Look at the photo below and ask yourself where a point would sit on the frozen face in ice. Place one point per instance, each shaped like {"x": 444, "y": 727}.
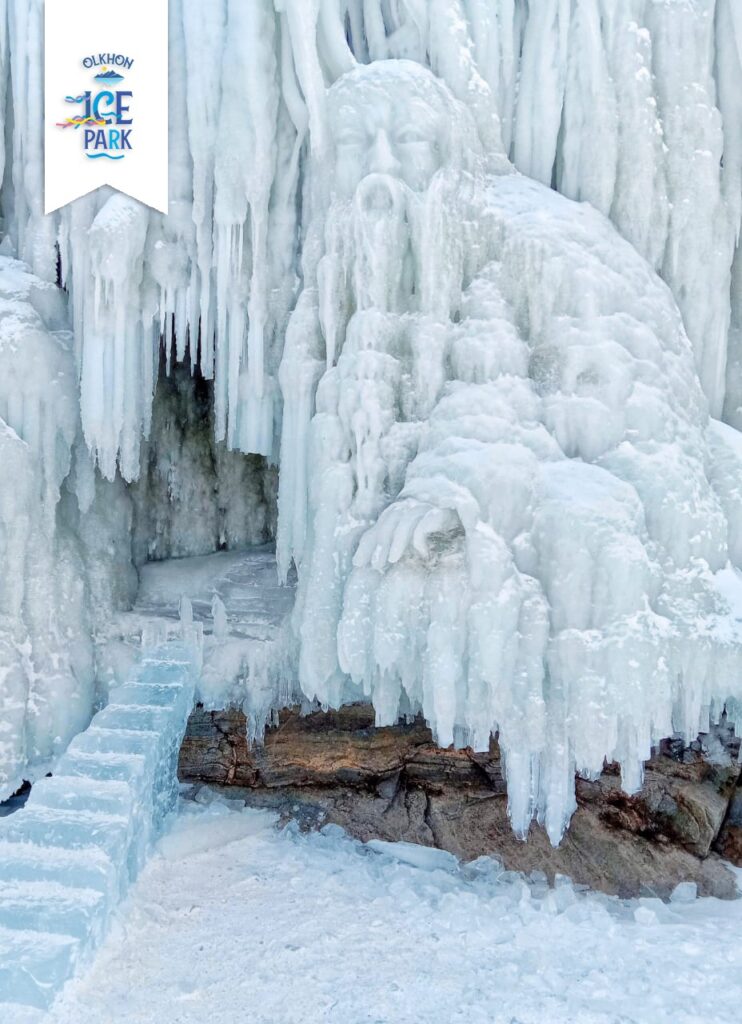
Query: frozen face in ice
{"x": 401, "y": 140}
{"x": 388, "y": 119}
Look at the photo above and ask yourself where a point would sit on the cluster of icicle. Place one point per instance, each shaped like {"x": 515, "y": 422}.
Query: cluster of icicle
{"x": 502, "y": 491}
{"x": 497, "y": 478}
{"x": 46, "y": 657}
{"x": 632, "y": 105}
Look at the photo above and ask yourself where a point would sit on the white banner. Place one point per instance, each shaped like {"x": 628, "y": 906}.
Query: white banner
{"x": 106, "y": 110}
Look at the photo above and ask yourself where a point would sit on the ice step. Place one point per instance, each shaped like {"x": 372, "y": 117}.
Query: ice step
{"x": 147, "y": 694}
{"x": 124, "y": 767}
{"x": 161, "y": 673}
{"x": 66, "y": 792}
{"x": 72, "y": 830}
{"x": 132, "y": 716}
{"x": 115, "y": 741}
{"x": 70, "y": 853}
{"x": 35, "y": 965}
{"x": 47, "y": 906}
{"x": 87, "y": 869}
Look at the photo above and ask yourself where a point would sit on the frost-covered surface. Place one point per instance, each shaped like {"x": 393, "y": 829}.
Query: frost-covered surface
{"x": 490, "y": 415}
{"x": 232, "y": 918}
{"x": 513, "y": 517}
{"x": 70, "y": 854}
{"x": 194, "y": 495}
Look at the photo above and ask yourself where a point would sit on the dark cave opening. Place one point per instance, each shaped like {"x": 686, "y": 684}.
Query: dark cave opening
{"x": 195, "y": 496}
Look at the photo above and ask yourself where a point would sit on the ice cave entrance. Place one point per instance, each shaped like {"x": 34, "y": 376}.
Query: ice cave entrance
{"x": 194, "y": 496}
{"x": 203, "y": 527}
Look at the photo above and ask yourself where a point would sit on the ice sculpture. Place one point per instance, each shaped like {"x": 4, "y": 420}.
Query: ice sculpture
{"x": 69, "y": 855}
{"x": 631, "y": 105}
{"x": 489, "y": 402}
{"x": 501, "y": 507}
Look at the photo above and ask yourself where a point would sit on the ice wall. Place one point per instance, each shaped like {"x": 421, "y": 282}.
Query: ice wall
{"x": 631, "y": 105}
{"x": 46, "y": 669}
{"x": 506, "y": 510}
{"x": 483, "y": 389}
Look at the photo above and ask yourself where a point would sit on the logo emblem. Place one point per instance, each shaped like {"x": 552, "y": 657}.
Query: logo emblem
{"x": 105, "y": 117}
{"x": 106, "y": 111}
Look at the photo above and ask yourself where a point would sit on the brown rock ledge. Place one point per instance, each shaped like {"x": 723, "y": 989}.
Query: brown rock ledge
{"x": 395, "y": 784}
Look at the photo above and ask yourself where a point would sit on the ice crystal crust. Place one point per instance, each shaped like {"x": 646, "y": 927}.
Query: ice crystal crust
{"x": 488, "y": 403}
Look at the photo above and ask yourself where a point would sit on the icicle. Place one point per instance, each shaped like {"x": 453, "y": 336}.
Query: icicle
{"x": 185, "y": 611}
{"x": 219, "y": 617}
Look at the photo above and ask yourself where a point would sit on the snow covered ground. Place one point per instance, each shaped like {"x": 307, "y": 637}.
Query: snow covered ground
{"x": 234, "y": 921}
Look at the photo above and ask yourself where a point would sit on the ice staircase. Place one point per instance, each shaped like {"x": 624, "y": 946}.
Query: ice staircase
{"x": 69, "y": 855}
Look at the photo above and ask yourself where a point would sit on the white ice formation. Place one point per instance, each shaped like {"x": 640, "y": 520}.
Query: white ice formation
{"x": 69, "y": 855}
{"x": 247, "y": 648}
{"x": 46, "y": 658}
{"x": 488, "y": 401}
{"x": 510, "y": 523}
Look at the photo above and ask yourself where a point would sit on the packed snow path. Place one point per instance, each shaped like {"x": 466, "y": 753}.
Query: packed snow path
{"x": 233, "y": 922}
{"x": 68, "y": 856}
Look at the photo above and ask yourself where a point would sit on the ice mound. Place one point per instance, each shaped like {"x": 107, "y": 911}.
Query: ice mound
{"x": 506, "y": 514}
{"x": 69, "y": 855}
{"x": 46, "y": 670}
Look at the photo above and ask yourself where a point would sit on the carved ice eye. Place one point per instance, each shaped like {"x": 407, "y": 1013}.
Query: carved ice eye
{"x": 350, "y": 138}
{"x": 411, "y": 135}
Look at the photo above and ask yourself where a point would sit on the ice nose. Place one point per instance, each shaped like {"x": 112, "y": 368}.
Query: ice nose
{"x": 383, "y": 160}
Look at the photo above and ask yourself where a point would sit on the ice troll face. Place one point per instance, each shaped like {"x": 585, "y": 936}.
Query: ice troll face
{"x": 392, "y": 120}
{"x": 401, "y": 144}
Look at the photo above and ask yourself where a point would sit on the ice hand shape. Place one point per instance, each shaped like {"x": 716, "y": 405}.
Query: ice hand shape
{"x": 406, "y": 526}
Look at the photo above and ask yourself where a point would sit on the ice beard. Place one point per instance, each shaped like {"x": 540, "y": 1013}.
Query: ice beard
{"x": 388, "y": 284}
{"x": 385, "y": 249}
{"x": 381, "y": 221}
{"x": 381, "y": 251}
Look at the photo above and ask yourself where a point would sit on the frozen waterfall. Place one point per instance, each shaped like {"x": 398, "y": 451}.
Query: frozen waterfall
{"x": 631, "y": 105}
{"x": 468, "y": 272}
